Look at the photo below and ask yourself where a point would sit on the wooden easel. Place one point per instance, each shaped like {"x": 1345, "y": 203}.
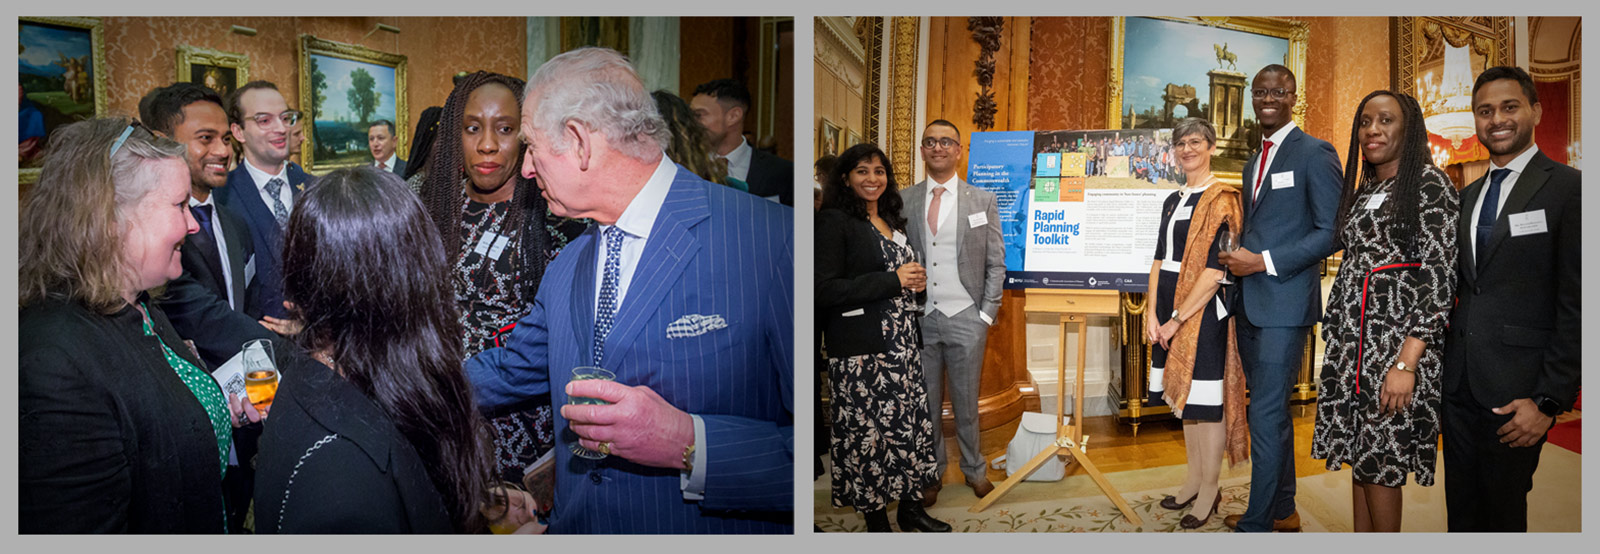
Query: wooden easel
{"x": 1073, "y": 307}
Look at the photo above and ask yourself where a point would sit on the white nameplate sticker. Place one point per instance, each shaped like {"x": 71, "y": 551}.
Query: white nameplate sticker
{"x": 1376, "y": 200}
{"x": 855, "y": 312}
{"x": 484, "y": 242}
{"x": 1283, "y": 180}
{"x": 250, "y": 270}
{"x": 978, "y": 219}
{"x": 1183, "y": 213}
{"x": 499, "y": 246}
{"x": 1528, "y": 223}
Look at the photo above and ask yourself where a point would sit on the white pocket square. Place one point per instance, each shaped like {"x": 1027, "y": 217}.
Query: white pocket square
{"x": 694, "y": 325}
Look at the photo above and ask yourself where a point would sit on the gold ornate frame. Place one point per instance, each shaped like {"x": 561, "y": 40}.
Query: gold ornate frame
{"x": 828, "y": 130}
{"x": 1296, "y": 32}
{"x": 188, "y": 56}
{"x": 1410, "y": 37}
{"x": 309, "y": 45}
{"x": 97, "y": 49}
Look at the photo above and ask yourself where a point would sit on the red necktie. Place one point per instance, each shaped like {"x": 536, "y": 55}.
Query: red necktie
{"x": 933, "y": 212}
{"x": 1266, "y": 148}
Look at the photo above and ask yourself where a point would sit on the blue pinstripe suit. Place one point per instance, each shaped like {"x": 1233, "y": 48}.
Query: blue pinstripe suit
{"x": 712, "y": 251}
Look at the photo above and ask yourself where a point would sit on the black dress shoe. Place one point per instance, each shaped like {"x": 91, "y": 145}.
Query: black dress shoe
{"x": 1191, "y": 522}
{"x": 1171, "y": 502}
{"x": 878, "y": 521}
{"x": 912, "y": 517}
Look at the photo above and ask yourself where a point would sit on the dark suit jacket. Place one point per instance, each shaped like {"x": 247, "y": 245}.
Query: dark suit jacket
{"x": 332, "y": 462}
{"x": 771, "y": 176}
{"x": 708, "y": 324}
{"x": 242, "y": 196}
{"x": 1515, "y": 329}
{"x": 399, "y": 166}
{"x": 111, "y": 440}
{"x": 200, "y": 260}
{"x": 850, "y": 276}
{"x": 1296, "y": 225}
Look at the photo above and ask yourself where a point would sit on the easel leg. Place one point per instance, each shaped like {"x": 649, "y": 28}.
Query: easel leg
{"x": 1022, "y": 473}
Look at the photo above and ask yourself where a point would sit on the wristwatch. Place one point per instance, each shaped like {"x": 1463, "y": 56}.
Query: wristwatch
{"x": 1402, "y": 366}
{"x": 1176, "y": 318}
{"x": 1547, "y": 405}
{"x": 688, "y": 458}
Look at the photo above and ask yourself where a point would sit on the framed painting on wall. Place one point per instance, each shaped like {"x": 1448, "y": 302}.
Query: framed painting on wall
{"x": 214, "y": 69}
{"x": 344, "y": 89}
{"x": 61, "y": 79}
{"x": 1164, "y": 69}
{"x": 828, "y": 138}
{"x": 854, "y": 139}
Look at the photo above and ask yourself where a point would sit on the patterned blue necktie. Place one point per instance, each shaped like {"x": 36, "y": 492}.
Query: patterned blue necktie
{"x": 1488, "y": 213}
{"x": 605, "y": 314}
{"x": 279, "y": 211}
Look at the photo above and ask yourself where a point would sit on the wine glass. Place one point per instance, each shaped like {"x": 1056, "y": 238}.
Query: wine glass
{"x": 1230, "y": 244}
{"x": 588, "y": 373}
{"x": 260, "y": 374}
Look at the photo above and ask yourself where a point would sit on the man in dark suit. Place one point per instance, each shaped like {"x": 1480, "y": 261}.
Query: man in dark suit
{"x": 381, "y": 141}
{"x": 720, "y": 106}
{"x": 1511, "y": 363}
{"x": 1292, "y": 188}
{"x": 262, "y": 188}
{"x": 682, "y": 289}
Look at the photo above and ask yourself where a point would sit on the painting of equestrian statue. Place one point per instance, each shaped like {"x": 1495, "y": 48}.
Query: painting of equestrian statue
{"x": 56, "y": 80}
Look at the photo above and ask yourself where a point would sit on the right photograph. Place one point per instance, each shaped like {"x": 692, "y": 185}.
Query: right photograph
{"x": 1197, "y": 274}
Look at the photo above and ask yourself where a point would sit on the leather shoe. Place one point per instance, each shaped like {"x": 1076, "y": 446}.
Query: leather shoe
{"x": 1171, "y": 502}
{"x": 1191, "y": 522}
{"x": 1289, "y": 524}
{"x": 982, "y": 487}
{"x": 912, "y": 517}
{"x": 931, "y": 494}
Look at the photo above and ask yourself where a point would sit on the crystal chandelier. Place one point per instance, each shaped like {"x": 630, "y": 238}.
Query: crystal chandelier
{"x": 1447, "y": 103}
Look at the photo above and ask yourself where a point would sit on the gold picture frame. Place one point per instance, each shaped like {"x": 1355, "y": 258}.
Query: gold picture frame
{"x": 56, "y": 110}
{"x": 214, "y": 69}
{"x": 828, "y": 138}
{"x": 330, "y": 143}
{"x": 1231, "y": 156}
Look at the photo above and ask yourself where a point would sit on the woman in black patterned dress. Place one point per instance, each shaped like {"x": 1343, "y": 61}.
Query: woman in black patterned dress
{"x": 866, "y": 279}
{"x": 1378, "y": 405}
{"x": 499, "y": 235}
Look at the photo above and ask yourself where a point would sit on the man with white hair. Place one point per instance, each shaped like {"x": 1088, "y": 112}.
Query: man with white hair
{"x": 683, "y": 290}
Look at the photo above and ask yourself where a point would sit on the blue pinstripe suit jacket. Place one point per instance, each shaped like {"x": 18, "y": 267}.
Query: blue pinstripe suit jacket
{"x": 713, "y": 251}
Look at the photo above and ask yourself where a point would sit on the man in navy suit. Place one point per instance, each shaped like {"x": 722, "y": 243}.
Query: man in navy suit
{"x": 263, "y": 187}
{"x": 683, "y": 289}
{"x": 381, "y": 141}
{"x": 1511, "y": 363}
{"x": 1292, "y": 188}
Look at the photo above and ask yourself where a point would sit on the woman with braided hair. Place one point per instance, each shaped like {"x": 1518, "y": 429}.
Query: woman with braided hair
{"x": 422, "y": 148}
{"x": 498, "y": 235}
{"x": 1379, "y": 401}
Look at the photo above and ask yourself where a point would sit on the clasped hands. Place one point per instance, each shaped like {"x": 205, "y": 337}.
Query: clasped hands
{"x": 913, "y": 276}
{"x": 1242, "y": 262}
{"x": 1160, "y": 333}
{"x": 639, "y": 425}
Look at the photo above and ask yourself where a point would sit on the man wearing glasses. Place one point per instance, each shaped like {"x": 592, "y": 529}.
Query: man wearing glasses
{"x": 1291, "y": 191}
{"x": 955, "y": 228}
{"x": 264, "y": 186}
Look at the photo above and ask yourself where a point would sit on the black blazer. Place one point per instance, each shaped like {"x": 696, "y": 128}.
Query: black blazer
{"x": 200, "y": 259}
{"x": 198, "y": 314}
{"x": 1515, "y": 329}
{"x": 770, "y": 176}
{"x": 849, "y": 277}
{"x": 111, "y": 440}
{"x": 332, "y": 462}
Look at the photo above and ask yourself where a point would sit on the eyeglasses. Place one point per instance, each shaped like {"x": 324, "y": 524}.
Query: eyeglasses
{"x": 1276, "y": 93}
{"x": 289, "y": 118}
{"x": 931, "y": 142}
{"x": 115, "y": 146}
{"x": 1196, "y": 143}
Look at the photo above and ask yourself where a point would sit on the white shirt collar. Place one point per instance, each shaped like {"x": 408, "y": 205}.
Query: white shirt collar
{"x": 640, "y": 215}
{"x": 1520, "y": 162}
{"x": 1283, "y": 133}
{"x": 193, "y": 202}
{"x": 949, "y": 185}
{"x": 388, "y": 163}
{"x": 261, "y": 177}
{"x": 740, "y": 153}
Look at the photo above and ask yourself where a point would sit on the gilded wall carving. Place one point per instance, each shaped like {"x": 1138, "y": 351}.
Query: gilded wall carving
{"x": 903, "y": 90}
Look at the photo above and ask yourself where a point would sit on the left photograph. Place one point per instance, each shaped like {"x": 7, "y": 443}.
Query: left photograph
{"x": 518, "y": 275}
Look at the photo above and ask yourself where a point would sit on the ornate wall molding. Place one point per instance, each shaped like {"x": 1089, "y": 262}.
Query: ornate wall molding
{"x": 903, "y": 90}
{"x": 870, "y": 31}
{"x": 986, "y": 31}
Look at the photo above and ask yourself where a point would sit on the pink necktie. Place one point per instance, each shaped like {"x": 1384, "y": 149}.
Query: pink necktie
{"x": 1266, "y": 147}
{"x": 933, "y": 212}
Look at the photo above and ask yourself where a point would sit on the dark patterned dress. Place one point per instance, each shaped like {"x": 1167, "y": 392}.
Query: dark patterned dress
{"x": 882, "y": 446}
{"x": 1211, "y": 349}
{"x": 488, "y": 295}
{"x": 1387, "y": 290}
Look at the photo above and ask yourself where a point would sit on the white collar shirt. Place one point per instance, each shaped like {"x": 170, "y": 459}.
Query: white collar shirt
{"x": 636, "y": 222}
{"x": 386, "y": 164}
{"x": 1516, "y": 165}
{"x": 222, "y": 245}
{"x": 947, "y": 200}
{"x": 262, "y": 177}
{"x": 739, "y": 161}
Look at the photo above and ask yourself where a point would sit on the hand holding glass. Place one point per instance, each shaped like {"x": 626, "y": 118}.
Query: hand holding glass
{"x": 1230, "y": 244}
{"x": 588, "y": 373}
{"x": 260, "y": 374}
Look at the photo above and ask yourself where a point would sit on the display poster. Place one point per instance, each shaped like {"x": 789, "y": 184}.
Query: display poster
{"x": 1078, "y": 209}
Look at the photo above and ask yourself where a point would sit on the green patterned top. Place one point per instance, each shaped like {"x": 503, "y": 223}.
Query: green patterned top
{"x": 206, "y": 390}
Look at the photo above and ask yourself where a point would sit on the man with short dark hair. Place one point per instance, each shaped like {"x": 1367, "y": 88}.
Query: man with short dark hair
{"x": 1511, "y": 361}
{"x": 381, "y": 141}
{"x": 721, "y": 106}
{"x": 262, "y": 188}
{"x": 1291, "y": 192}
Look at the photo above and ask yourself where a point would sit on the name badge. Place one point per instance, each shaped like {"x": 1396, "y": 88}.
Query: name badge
{"x": 854, "y": 313}
{"x": 250, "y": 270}
{"x": 1376, "y": 200}
{"x": 1283, "y": 180}
{"x": 1528, "y": 223}
{"x": 1183, "y": 213}
{"x": 499, "y": 246}
{"x": 484, "y": 242}
{"x": 978, "y": 219}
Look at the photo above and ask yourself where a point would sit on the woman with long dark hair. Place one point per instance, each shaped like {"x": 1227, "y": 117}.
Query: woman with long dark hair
{"x": 867, "y": 277}
{"x": 498, "y": 236}
{"x": 1379, "y": 400}
{"x": 376, "y": 431}
{"x": 422, "y": 148}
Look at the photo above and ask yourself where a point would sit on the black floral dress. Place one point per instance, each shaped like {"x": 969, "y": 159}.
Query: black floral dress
{"x": 882, "y": 445}
{"x": 1387, "y": 290}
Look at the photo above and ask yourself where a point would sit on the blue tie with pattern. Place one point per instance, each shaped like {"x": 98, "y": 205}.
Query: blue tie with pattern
{"x": 1488, "y": 213}
{"x": 605, "y": 314}
{"x": 279, "y": 211}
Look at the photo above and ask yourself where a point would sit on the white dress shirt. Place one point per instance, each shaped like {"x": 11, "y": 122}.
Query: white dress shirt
{"x": 262, "y": 177}
{"x": 947, "y": 201}
{"x": 1277, "y": 144}
{"x": 636, "y": 222}
{"x": 1516, "y": 165}
{"x": 222, "y": 246}
{"x": 739, "y": 161}
{"x": 386, "y": 164}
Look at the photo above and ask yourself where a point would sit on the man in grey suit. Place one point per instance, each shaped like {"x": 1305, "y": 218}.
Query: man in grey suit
{"x": 955, "y": 228}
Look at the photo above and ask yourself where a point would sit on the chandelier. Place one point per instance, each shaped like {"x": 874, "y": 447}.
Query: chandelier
{"x": 1447, "y": 103}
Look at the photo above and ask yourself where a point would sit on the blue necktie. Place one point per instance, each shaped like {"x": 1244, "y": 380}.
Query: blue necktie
{"x": 1487, "y": 213}
{"x": 605, "y": 315}
{"x": 279, "y": 211}
{"x": 202, "y": 215}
